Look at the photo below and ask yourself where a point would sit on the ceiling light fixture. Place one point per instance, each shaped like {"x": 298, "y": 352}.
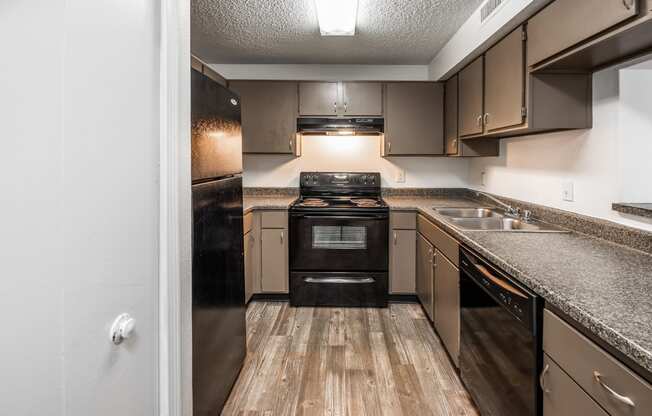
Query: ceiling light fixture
{"x": 337, "y": 17}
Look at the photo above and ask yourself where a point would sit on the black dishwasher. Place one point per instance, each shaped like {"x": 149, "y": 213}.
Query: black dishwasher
{"x": 500, "y": 340}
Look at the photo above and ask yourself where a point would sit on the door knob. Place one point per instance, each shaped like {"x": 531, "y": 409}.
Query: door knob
{"x": 122, "y": 328}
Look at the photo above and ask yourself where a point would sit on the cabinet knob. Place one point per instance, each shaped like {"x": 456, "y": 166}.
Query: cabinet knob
{"x": 290, "y": 143}
{"x": 281, "y": 237}
{"x": 485, "y": 120}
{"x": 542, "y": 379}
{"x": 122, "y": 328}
{"x": 394, "y": 237}
{"x": 628, "y": 4}
{"x": 479, "y": 121}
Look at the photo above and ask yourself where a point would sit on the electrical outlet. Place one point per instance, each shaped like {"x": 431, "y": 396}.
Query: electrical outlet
{"x": 567, "y": 192}
{"x": 400, "y": 176}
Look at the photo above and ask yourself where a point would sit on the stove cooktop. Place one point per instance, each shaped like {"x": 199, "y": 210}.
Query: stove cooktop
{"x": 339, "y": 202}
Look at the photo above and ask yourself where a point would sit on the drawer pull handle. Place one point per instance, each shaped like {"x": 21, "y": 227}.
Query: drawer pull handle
{"x": 623, "y": 399}
{"x": 542, "y": 379}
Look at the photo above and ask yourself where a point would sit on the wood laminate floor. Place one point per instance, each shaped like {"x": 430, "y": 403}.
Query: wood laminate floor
{"x": 345, "y": 361}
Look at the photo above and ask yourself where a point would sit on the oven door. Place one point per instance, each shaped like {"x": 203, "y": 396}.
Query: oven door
{"x": 339, "y": 241}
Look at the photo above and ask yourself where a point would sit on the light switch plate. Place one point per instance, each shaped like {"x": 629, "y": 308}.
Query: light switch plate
{"x": 400, "y": 176}
{"x": 567, "y": 192}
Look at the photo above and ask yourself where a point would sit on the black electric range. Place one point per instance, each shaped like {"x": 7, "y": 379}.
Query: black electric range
{"x": 339, "y": 232}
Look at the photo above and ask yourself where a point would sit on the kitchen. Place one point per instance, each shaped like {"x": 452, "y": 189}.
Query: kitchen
{"x": 330, "y": 207}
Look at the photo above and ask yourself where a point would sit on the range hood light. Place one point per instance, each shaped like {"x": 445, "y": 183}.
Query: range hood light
{"x": 341, "y": 133}
{"x": 337, "y": 17}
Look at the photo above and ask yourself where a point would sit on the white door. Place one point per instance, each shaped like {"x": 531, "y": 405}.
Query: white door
{"x": 79, "y": 189}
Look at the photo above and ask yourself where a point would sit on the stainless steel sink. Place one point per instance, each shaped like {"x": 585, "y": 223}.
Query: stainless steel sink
{"x": 493, "y": 219}
{"x": 504, "y": 224}
{"x": 468, "y": 212}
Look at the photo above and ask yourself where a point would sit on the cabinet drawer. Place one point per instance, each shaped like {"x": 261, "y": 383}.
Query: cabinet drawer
{"x": 274, "y": 219}
{"x": 403, "y": 221}
{"x": 562, "y": 396}
{"x": 558, "y": 27}
{"x": 248, "y": 222}
{"x": 582, "y": 360}
{"x": 443, "y": 242}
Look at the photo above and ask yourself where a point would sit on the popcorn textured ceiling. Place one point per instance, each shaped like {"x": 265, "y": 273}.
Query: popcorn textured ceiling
{"x": 287, "y": 32}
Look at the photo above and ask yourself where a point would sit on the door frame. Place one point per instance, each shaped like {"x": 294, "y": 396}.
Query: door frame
{"x": 175, "y": 213}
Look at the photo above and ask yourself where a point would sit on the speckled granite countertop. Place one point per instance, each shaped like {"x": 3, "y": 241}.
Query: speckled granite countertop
{"x": 267, "y": 202}
{"x": 641, "y": 210}
{"x": 605, "y": 287}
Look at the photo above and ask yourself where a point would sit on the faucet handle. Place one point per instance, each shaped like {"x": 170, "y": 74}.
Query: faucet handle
{"x": 527, "y": 215}
{"x": 515, "y": 211}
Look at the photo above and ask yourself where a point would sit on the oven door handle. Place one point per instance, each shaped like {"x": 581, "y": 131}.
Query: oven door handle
{"x": 345, "y": 280}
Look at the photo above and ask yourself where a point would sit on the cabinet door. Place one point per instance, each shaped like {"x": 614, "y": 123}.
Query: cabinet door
{"x": 562, "y": 396}
{"x": 269, "y": 116}
{"x": 450, "y": 114}
{"x": 565, "y": 23}
{"x": 318, "y": 99}
{"x": 250, "y": 264}
{"x": 362, "y": 99}
{"x": 447, "y": 305}
{"x": 470, "y": 98}
{"x": 414, "y": 118}
{"x": 274, "y": 260}
{"x": 403, "y": 247}
{"x": 424, "y": 280}
{"x": 504, "y": 82}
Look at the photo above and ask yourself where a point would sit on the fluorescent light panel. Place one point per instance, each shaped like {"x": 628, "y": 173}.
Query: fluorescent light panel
{"x": 337, "y": 17}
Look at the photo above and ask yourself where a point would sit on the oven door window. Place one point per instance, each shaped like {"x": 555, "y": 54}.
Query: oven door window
{"x": 339, "y": 237}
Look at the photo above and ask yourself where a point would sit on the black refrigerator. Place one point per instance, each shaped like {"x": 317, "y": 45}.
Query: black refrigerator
{"x": 218, "y": 308}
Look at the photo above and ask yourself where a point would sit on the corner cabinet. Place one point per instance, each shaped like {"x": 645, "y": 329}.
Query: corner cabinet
{"x": 454, "y": 145}
{"x": 424, "y": 274}
{"x": 269, "y": 116}
{"x": 414, "y": 119}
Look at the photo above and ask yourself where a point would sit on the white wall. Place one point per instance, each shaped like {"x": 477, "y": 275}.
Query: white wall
{"x": 474, "y": 36}
{"x": 79, "y": 210}
{"x": 324, "y": 72}
{"x": 356, "y": 154}
{"x": 534, "y": 168}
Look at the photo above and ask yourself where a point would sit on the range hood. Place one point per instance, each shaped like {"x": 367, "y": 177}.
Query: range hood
{"x": 341, "y": 126}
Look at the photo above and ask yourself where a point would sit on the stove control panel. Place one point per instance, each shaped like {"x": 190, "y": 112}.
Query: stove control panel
{"x": 340, "y": 179}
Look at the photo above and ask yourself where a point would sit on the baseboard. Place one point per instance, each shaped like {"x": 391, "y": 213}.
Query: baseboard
{"x": 403, "y": 298}
{"x": 270, "y": 297}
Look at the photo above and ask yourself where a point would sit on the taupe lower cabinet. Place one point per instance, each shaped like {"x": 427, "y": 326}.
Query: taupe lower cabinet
{"x": 274, "y": 252}
{"x": 250, "y": 264}
{"x": 414, "y": 119}
{"x": 424, "y": 274}
{"x": 595, "y": 372}
{"x": 402, "y": 253}
{"x": 564, "y": 23}
{"x": 318, "y": 99}
{"x": 447, "y": 305}
{"x": 269, "y": 116}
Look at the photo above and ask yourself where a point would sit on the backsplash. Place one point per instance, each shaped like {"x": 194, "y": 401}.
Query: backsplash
{"x": 353, "y": 154}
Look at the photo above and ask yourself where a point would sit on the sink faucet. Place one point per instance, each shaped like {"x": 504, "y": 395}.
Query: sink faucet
{"x": 514, "y": 211}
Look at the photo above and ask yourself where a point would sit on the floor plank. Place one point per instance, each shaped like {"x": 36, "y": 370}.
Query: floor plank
{"x": 345, "y": 362}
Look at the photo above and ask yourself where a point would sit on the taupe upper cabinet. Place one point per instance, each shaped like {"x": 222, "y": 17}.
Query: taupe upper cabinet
{"x": 269, "y": 116}
{"x": 414, "y": 118}
{"x": 505, "y": 83}
{"x": 318, "y": 99}
{"x": 450, "y": 115}
{"x": 565, "y": 23}
{"x": 471, "y": 81}
{"x": 361, "y": 99}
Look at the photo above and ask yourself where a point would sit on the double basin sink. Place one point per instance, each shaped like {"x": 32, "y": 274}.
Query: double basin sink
{"x": 492, "y": 219}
